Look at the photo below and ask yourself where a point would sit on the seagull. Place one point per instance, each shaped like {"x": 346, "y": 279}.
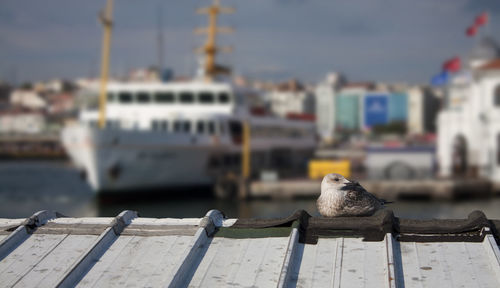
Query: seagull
{"x": 342, "y": 197}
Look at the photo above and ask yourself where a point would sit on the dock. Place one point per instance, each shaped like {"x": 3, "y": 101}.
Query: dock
{"x": 50, "y": 250}
{"x": 389, "y": 190}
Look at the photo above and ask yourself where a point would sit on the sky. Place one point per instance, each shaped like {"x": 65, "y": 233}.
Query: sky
{"x": 366, "y": 40}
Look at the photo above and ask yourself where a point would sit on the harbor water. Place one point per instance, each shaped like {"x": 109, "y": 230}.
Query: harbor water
{"x": 27, "y": 187}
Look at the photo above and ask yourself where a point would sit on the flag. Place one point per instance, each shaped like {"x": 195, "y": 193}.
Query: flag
{"x": 471, "y": 31}
{"x": 452, "y": 65}
{"x": 440, "y": 79}
{"x": 481, "y": 19}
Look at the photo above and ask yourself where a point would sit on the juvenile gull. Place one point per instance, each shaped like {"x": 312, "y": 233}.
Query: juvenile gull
{"x": 341, "y": 197}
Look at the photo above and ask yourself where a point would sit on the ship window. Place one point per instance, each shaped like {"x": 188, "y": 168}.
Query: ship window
{"x": 125, "y": 97}
{"x": 143, "y": 97}
{"x": 186, "y": 97}
{"x": 206, "y": 97}
{"x": 186, "y": 126}
{"x": 164, "y": 97}
{"x": 211, "y": 128}
{"x": 164, "y": 125}
{"x": 111, "y": 97}
{"x": 177, "y": 126}
{"x": 223, "y": 97}
{"x": 222, "y": 128}
{"x": 200, "y": 127}
{"x": 497, "y": 96}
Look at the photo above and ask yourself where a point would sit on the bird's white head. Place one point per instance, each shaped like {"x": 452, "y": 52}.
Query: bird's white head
{"x": 332, "y": 183}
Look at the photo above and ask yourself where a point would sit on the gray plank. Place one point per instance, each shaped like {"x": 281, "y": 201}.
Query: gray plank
{"x": 52, "y": 267}
{"x": 481, "y": 265}
{"x": 316, "y": 269}
{"x": 287, "y": 269}
{"x": 85, "y": 262}
{"x": 26, "y": 256}
{"x": 411, "y": 266}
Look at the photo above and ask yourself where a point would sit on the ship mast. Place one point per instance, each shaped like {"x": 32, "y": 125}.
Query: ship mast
{"x": 210, "y": 48}
{"x": 107, "y": 23}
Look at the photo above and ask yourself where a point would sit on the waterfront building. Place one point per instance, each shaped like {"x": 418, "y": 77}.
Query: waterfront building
{"x": 348, "y": 106}
{"x": 469, "y": 124}
{"x": 28, "y": 99}
{"x": 325, "y": 93}
{"x": 21, "y": 121}
{"x": 290, "y": 98}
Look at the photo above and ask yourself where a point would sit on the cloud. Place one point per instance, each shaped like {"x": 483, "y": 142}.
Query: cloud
{"x": 477, "y": 6}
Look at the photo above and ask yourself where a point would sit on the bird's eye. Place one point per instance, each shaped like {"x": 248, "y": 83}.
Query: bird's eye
{"x": 336, "y": 179}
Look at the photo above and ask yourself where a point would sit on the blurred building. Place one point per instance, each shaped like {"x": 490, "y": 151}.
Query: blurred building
{"x": 290, "y": 98}
{"x": 27, "y": 98}
{"x": 349, "y": 106}
{"x": 423, "y": 107}
{"x": 21, "y": 121}
{"x": 325, "y": 93}
{"x": 469, "y": 124}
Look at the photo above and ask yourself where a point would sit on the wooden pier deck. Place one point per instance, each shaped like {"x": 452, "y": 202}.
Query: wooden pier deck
{"x": 47, "y": 250}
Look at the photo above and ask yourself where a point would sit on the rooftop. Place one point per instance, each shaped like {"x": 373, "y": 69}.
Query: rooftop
{"x": 49, "y": 250}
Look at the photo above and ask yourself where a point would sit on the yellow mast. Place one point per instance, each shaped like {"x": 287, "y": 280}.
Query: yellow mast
{"x": 106, "y": 21}
{"x": 210, "y": 48}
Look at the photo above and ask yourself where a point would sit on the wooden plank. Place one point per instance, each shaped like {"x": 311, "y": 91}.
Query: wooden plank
{"x": 27, "y": 255}
{"x": 105, "y": 263}
{"x": 363, "y": 263}
{"x": 337, "y": 268}
{"x": 53, "y": 265}
{"x": 135, "y": 261}
{"x": 411, "y": 265}
{"x": 318, "y": 263}
{"x": 394, "y": 276}
{"x": 75, "y": 273}
{"x": 250, "y": 264}
{"x": 270, "y": 268}
{"x": 433, "y": 269}
{"x": 18, "y": 236}
{"x": 169, "y": 257}
{"x": 288, "y": 263}
{"x": 456, "y": 259}
{"x": 491, "y": 247}
{"x": 481, "y": 265}
{"x": 215, "y": 257}
{"x": 238, "y": 249}
{"x": 140, "y": 270}
{"x": 192, "y": 257}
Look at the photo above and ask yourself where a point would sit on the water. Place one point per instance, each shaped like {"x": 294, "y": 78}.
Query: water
{"x": 27, "y": 187}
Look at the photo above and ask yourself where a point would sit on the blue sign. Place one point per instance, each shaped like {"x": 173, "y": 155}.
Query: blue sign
{"x": 376, "y": 110}
{"x": 440, "y": 79}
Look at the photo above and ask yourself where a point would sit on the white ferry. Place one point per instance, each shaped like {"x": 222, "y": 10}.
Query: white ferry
{"x": 180, "y": 134}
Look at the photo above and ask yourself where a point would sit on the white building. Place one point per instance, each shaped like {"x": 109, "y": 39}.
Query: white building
{"x": 290, "y": 98}
{"x": 28, "y": 99}
{"x": 469, "y": 124}
{"x": 325, "y": 106}
{"x": 22, "y": 122}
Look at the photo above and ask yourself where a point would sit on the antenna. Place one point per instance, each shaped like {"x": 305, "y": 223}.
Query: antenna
{"x": 107, "y": 23}
{"x": 160, "y": 39}
{"x": 210, "y": 48}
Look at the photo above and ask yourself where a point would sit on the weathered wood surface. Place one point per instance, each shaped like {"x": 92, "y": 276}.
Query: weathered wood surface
{"x": 132, "y": 253}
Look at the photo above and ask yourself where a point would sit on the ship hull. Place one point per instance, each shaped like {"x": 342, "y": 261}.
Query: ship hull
{"x": 120, "y": 160}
